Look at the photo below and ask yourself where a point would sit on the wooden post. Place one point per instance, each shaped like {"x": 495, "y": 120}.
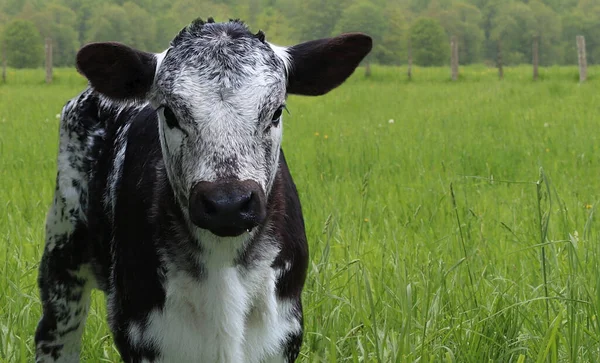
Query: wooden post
{"x": 409, "y": 72}
{"x": 499, "y": 60}
{"x": 454, "y": 57}
{"x": 581, "y": 56}
{"x": 368, "y": 69}
{"x": 536, "y": 56}
{"x": 48, "y": 60}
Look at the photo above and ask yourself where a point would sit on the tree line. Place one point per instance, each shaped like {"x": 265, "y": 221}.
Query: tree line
{"x": 423, "y": 25}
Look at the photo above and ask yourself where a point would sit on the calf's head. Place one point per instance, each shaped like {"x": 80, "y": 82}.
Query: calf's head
{"x": 219, "y": 92}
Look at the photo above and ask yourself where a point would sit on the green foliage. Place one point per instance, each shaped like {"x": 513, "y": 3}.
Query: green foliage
{"x": 64, "y": 45}
{"x": 585, "y": 20}
{"x": 187, "y": 10}
{"x": 58, "y": 23}
{"x": 548, "y": 27}
{"x": 429, "y": 42}
{"x": 464, "y": 21}
{"x": 516, "y": 24}
{"x": 364, "y": 16}
{"x": 316, "y": 18}
{"x": 23, "y": 44}
{"x": 275, "y": 25}
{"x": 478, "y": 24}
{"x": 12, "y": 7}
{"x": 142, "y": 28}
{"x": 167, "y": 27}
{"x": 84, "y": 10}
{"x": 3, "y": 21}
{"x": 392, "y": 49}
{"x": 111, "y": 23}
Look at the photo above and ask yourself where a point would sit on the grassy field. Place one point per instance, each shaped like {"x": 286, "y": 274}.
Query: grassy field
{"x": 448, "y": 222}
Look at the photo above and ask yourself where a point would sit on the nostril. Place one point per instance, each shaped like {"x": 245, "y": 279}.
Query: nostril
{"x": 210, "y": 206}
{"x": 246, "y": 204}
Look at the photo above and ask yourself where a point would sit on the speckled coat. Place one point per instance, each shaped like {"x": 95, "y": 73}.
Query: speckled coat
{"x": 133, "y": 147}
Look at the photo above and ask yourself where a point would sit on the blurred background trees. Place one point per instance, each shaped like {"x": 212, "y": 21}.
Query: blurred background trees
{"x": 428, "y": 24}
{"x": 428, "y": 40}
{"x": 23, "y": 44}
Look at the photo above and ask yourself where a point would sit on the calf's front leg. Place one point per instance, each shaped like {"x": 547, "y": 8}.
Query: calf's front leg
{"x": 65, "y": 281}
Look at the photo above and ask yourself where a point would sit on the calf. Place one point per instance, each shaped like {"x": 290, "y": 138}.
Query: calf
{"x": 174, "y": 198}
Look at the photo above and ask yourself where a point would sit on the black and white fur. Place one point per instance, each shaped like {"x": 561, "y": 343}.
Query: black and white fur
{"x": 134, "y": 146}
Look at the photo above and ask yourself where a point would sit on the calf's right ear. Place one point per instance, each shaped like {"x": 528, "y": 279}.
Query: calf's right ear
{"x": 117, "y": 71}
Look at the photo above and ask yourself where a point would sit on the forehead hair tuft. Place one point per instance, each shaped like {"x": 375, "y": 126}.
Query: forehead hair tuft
{"x": 235, "y": 28}
{"x": 260, "y": 36}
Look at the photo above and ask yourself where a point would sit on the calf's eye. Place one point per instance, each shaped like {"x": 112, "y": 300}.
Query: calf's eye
{"x": 170, "y": 117}
{"x": 277, "y": 116}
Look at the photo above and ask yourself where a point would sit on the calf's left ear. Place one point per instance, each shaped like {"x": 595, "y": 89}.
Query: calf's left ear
{"x": 318, "y": 66}
{"x": 116, "y": 70}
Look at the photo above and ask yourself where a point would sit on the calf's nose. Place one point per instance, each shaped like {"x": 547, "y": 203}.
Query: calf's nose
{"x": 227, "y": 208}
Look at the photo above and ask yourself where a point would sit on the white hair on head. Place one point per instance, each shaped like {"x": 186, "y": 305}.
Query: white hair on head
{"x": 159, "y": 59}
{"x": 283, "y": 54}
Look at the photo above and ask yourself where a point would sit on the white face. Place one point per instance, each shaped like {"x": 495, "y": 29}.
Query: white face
{"x": 220, "y": 98}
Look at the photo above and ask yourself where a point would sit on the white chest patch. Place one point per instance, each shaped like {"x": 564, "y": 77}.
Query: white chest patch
{"x": 230, "y": 316}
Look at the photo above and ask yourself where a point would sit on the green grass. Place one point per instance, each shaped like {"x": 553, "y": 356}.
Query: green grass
{"x": 464, "y": 231}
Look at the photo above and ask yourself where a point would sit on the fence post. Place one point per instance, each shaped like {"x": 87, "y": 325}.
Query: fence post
{"x": 48, "y": 60}
{"x": 454, "y": 57}
{"x": 368, "y": 69}
{"x": 582, "y": 58}
{"x": 499, "y": 60}
{"x": 536, "y": 56}
{"x": 409, "y": 72}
